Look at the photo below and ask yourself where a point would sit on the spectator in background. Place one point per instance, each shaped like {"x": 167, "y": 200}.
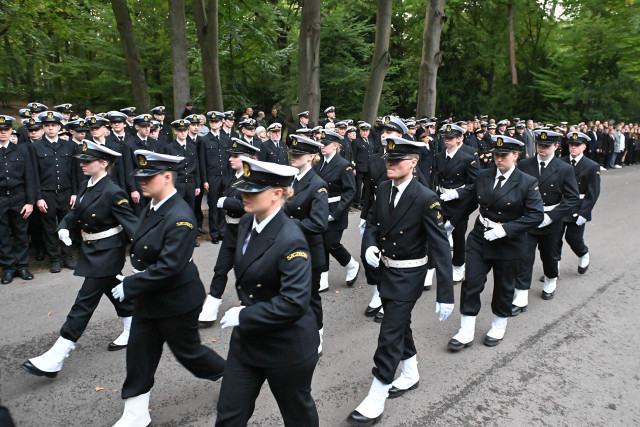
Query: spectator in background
{"x": 202, "y": 129}
{"x": 261, "y": 133}
{"x": 275, "y": 118}
{"x": 187, "y": 110}
{"x": 88, "y": 112}
{"x": 260, "y": 119}
{"x": 249, "y": 112}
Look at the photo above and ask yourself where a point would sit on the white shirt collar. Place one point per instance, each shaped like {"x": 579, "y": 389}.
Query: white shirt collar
{"x": 6, "y": 145}
{"x": 546, "y": 162}
{"x": 181, "y": 144}
{"x": 401, "y": 188}
{"x": 156, "y": 206}
{"x": 53, "y": 142}
{"x": 454, "y": 151}
{"x": 93, "y": 182}
{"x": 328, "y": 159}
{"x": 506, "y": 175}
{"x": 263, "y": 224}
{"x": 577, "y": 158}
{"x": 302, "y": 174}
{"x": 76, "y": 141}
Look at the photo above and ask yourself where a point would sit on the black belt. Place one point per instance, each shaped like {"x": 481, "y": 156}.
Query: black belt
{"x": 11, "y": 191}
{"x": 56, "y": 191}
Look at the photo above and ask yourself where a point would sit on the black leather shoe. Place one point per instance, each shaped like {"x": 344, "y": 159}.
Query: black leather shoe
{"x": 379, "y": 317}
{"x": 426, "y": 288}
{"x": 25, "y": 274}
{"x": 582, "y": 270}
{"x": 115, "y": 347}
{"x": 201, "y": 230}
{"x": 29, "y": 367}
{"x": 491, "y": 342}
{"x": 205, "y": 324}
{"x": 370, "y": 311}
{"x": 397, "y": 392}
{"x": 357, "y": 419}
{"x": 39, "y": 256}
{"x": 69, "y": 263}
{"x": 215, "y": 241}
{"x": 197, "y": 245}
{"x": 56, "y": 267}
{"x": 548, "y": 295}
{"x": 456, "y": 345}
{"x": 515, "y": 310}
{"x": 542, "y": 278}
{"x": 7, "y": 277}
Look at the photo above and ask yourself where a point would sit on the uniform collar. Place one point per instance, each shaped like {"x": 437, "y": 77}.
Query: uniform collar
{"x": 93, "y": 182}
{"x": 263, "y": 224}
{"x": 155, "y": 207}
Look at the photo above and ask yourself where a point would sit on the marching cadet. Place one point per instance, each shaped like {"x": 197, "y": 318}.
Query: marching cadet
{"x": 165, "y": 289}
{"x": 140, "y": 141}
{"x": 106, "y": 223}
{"x": 117, "y": 141}
{"x": 557, "y": 185}
{"x": 17, "y": 197}
{"x": 502, "y": 127}
{"x": 510, "y": 205}
{"x": 129, "y": 125}
{"x": 362, "y": 151}
{"x": 456, "y": 172}
{"x": 427, "y": 154}
{"x": 485, "y": 155}
{"x": 275, "y": 336}
{"x": 165, "y": 136}
{"x": 193, "y": 136}
{"x": 99, "y": 130}
{"x": 215, "y": 172}
{"x": 330, "y": 112}
{"x": 34, "y": 134}
{"x": 78, "y": 130}
{"x": 56, "y": 169}
{"x": 227, "y": 126}
{"x": 231, "y": 202}
{"x": 404, "y": 223}
{"x": 275, "y": 148}
{"x": 338, "y": 174}
{"x": 188, "y": 181}
{"x": 309, "y": 209}
{"x": 345, "y": 143}
{"x": 587, "y": 174}
{"x": 303, "y": 122}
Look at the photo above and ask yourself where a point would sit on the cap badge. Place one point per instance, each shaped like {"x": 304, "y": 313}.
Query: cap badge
{"x": 84, "y": 146}
{"x": 50, "y": 115}
{"x": 391, "y": 145}
{"x": 235, "y": 144}
{"x": 142, "y": 160}
{"x": 387, "y": 120}
{"x": 575, "y": 136}
{"x": 499, "y": 142}
{"x": 543, "y": 135}
{"x": 295, "y": 142}
{"x": 324, "y": 135}
{"x": 247, "y": 170}
{"x": 2, "y": 119}
{"x": 448, "y": 128}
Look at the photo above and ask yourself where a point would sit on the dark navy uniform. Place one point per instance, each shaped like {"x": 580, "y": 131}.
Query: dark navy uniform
{"x": 362, "y": 152}
{"x": 214, "y": 166}
{"x": 189, "y": 174}
{"x": 134, "y": 144}
{"x": 275, "y": 152}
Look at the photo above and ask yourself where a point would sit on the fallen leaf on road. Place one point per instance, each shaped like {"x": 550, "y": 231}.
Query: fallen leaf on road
{"x": 99, "y": 388}
{"x": 49, "y": 314}
{"x": 213, "y": 340}
{"x": 337, "y": 292}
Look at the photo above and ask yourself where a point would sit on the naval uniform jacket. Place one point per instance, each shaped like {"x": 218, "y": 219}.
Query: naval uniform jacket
{"x": 459, "y": 174}
{"x": 100, "y": 208}
{"x": 169, "y": 284}
{"x": 275, "y": 152}
{"x": 273, "y": 281}
{"x": 134, "y": 144}
{"x": 557, "y": 187}
{"x": 17, "y": 173}
{"x": 234, "y": 208}
{"x": 214, "y": 159}
{"x": 415, "y": 227}
{"x": 587, "y": 174}
{"x": 362, "y": 152}
{"x": 190, "y": 167}
{"x": 122, "y": 167}
{"x": 56, "y": 167}
{"x": 338, "y": 174}
{"x": 309, "y": 209}
{"x": 517, "y": 205}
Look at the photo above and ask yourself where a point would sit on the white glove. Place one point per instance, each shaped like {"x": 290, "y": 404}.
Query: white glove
{"x": 363, "y": 224}
{"x": 63, "y": 235}
{"x": 495, "y": 233}
{"x": 449, "y": 228}
{"x": 331, "y": 218}
{"x": 449, "y": 195}
{"x": 231, "y": 318}
{"x": 581, "y": 220}
{"x": 372, "y": 255}
{"x": 546, "y": 221}
{"x": 118, "y": 292}
{"x": 220, "y": 203}
{"x": 444, "y": 309}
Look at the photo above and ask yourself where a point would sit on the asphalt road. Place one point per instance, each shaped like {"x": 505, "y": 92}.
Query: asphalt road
{"x": 569, "y": 361}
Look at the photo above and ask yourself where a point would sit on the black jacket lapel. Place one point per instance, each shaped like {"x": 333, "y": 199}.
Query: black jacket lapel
{"x": 262, "y": 242}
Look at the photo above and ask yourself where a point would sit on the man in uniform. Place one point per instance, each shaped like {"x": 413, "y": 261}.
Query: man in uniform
{"x": 227, "y": 126}
{"x": 275, "y": 148}
{"x": 405, "y": 222}
{"x": 165, "y": 136}
{"x": 129, "y": 126}
{"x": 23, "y": 136}
{"x": 330, "y": 112}
{"x": 117, "y": 140}
{"x": 362, "y": 151}
{"x": 557, "y": 185}
{"x": 17, "y": 197}
{"x": 65, "y": 111}
{"x": 303, "y": 122}
{"x": 99, "y": 131}
{"x": 56, "y": 168}
{"x": 140, "y": 141}
{"x": 247, "y": 130}
{"x": 193, "y": 136}
{"x": 188, "y": 181}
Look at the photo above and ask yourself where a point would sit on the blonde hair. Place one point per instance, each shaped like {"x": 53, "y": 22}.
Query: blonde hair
{"x": 287, "y": 193}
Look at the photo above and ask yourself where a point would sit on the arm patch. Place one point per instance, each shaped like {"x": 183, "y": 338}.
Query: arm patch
{"x": 297, "y": 254}
{"x": 185, "y": 223}
{"x": 434, "y": 205}
{"x": 321, "y": 190}
{"x": 123, "y": 201}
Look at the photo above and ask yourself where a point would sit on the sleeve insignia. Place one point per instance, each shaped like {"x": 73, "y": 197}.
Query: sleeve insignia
{"x": 297, "y": 254}
{"x": 349, "y": 168}
{"x": 185, "y": 223}
{"x": 123, "y": 201}
{"x": 434, "y": 205}
{"x": 323, "y": 190}
{"x": 472, "y": 162}
{"x": 598, "y": 173}
{"x": 536, "y": 188}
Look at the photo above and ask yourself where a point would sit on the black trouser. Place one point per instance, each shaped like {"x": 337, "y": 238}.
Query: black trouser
{"x": 459, "y": 237}
{"x": 333, "y": 246}
{"x": 57, "y": 208}
{"x": 395, "y": 340}
{"x": 547, "y": 244}
{"x": 86, "y": 303}
{"x": 574, "y": 235}
{"x": 198, "y": 207}
{"x": 504, "y": 276}
{"x": 290, "y": 385}
{"x": 216, "y": 216}
{"x": 181, "y": 334}
{"x": 36, "y": 231}
{"x": 360, "y": 177}
{"x": 187, "y": 190}
{"x": 224, "y": 263}
{"x": 370, "y": 272}
{"x": 316, "y": 301}
{"x": 13, "y": 254}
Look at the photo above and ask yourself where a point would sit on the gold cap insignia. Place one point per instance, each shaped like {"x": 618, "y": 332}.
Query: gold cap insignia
{"x": 84, "y": 146}
{"x": 543, "y": 135}
{"x": 295, "y": 142}
{"x": 324, "y": 135}
{"x": 448, "y": 128}
{"x": 247, "y": 170}
{"x": 391, "y": 145}
{"x": 50, "y": 115}
{"x": 387, "y": 120}
{"x": 2, "y": 120}
{"x": 575, "y": 136}
{"x": 235, "y": 144}
{"x": 146, "y": 118}
{"x": 142, "y": 160}
{"x": 499, "y": 142}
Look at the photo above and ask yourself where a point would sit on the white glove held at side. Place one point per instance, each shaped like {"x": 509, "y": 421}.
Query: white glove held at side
{"x": 372, "y": 255}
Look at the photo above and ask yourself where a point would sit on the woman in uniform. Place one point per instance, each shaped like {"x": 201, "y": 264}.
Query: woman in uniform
{"x": 165, "y": 288}
{"x": 231, "y": 202}
{"x": 106, "y": 223}
{"x": 510, "y": 205}
{"x": 309, "y": 209}
{"x": 275, "y": 337}
{"x": 341, "y": 184}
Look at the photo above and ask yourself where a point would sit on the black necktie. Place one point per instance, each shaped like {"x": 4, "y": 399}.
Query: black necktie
{"x": 254, "y": 234}
{"x": 573, "y": 163}
{"x": 394, "y": 193}
{"x": 542, "y": 165}
{"x": 447, "y": 159}
{"x": 501, "y": 179}
{"x": 3, "y": 150}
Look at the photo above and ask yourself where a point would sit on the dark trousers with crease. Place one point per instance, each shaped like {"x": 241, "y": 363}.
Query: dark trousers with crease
{"x": 86, "y": 303}
{"x": 333, "y": 246}
{"x": 14, "y": 240}
{"x": 57, "y": 207}
{"x": 316, "y": 301}
{"x": 547, "y": 244}
{"x": 224, "y": 263}
{"x": 182, "y": 336}
{"x": 574, "y": 235}
{"x": 217, "y": 223}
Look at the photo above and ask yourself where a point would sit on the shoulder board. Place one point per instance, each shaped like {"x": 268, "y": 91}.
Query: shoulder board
{"x": 185, "y": 223}
{"x": 321, "y": 190}
{"x": 296, "y": 255}
{"x": 123, "y": 201}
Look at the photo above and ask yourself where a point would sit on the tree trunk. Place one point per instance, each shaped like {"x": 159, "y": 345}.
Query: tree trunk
{"x": 379, "y": 63}
{"x": 207, "y": 31}
{"x": 309, "y": 60}
{"x": 179, "y": 60}
{"x": 131, "y": 54}
{"x": 431, "y": 58}
{"x": 512, "y": 46}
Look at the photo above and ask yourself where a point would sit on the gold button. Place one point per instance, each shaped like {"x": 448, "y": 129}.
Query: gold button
{"x": 250, "y": 296}
{"x": 401, "y": 232}
{"x": 383, "y": 250}
{"x": 93, "y": 215}
{"x": 384, "y": 238}
{"x": 239, "y": 287}
{"x": 145, "y": 247}
{"x": 509, "y": 204}
{"x": 86, "y": 225}
{"x": 499, "y": 213}
{"x": 394, "y": 243}
{"x": 258, "y": 285}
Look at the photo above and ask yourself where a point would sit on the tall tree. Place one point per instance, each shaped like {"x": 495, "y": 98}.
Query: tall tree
{"x": 131, "y": 54}
{"x": 431, "y": 58}
{"x": 207, "y": 30}
{"x": 179, "y": 60}
{"x": 512, "y": 45}
{"x": 379, "y": 63}
{"x": 309, "y": 59}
